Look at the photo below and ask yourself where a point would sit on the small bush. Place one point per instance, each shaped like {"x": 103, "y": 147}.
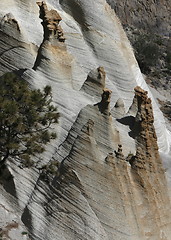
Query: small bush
{"x": 26, "y": 120}
{"x": 147, "y": 51}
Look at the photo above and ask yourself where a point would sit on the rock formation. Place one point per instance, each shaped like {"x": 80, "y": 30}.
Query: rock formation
{"x": 150, "y": 37}
{"x": 95, "y": 82}
{"x": 144, "y": 121}
{"x": 9, "y": 20}
{"x": 105, "y": 178}
{"x": 50, "y": 23}
{"x": 53, "y": 35}
{"x": 147, "y": 169}
{"x": 119, "y": 109}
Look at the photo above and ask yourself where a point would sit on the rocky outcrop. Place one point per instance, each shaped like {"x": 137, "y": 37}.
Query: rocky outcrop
{"x": 150, "y": 37}
{"x": 95, "y": 82}
{"x": 137, "y": 182}
{"x": 14, "y": 45}
{"x": 53, "y": 36}
{"x": 104, "y": 178}
{"x": 104, "y": 106}
{"x": 9, "y": 20}
{"x": 148, "y": 173}
{"x": 144, "y": 128}
{"x": 51, "y": 19}
{"x": 118, "y": 110}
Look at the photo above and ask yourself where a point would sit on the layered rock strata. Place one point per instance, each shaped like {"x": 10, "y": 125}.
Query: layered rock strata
{"x": 99, "y": 192}
{"x": 108, "y": 182}
{"x": 148, "y": 173}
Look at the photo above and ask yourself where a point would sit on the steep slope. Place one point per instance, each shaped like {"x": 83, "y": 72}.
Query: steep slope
{"x": 110, "y": 183}
{"x": 148, "y": 26}
{"x": 148, "y": 15}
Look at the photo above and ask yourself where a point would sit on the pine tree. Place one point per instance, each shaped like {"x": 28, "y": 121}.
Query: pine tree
{"x": 26, "y": 119}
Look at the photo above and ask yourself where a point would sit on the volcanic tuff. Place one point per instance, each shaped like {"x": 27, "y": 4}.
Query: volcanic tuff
{"x": 109, "y": 182}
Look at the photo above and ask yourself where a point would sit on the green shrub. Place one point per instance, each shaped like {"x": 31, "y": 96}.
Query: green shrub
{"x": 26, "y": 118}
{"x": 147, "y": 51}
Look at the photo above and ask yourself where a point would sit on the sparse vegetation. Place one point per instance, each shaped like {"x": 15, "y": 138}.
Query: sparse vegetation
{"x": 26, "y": 120}
{"x": 165, "y": 107}
{"x": 153, "y": 53}
{"x": 147, "y": 51}
{"x": 51, "y": 168}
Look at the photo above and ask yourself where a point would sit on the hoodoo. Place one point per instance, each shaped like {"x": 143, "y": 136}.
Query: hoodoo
{"x": 102, "y": 178}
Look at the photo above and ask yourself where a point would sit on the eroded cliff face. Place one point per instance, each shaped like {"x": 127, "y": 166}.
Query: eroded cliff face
{"x": 148, "y": 26}
{"x": 110, "y": 183}
{"x": 148, "y": 15}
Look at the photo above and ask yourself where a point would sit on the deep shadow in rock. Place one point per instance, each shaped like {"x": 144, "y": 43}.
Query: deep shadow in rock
{"x": 128, "y": 121}
{"x": 27, "y": 219}
{"x": 133, "y": 125}
{"x": 20, "y": 72}
{"x": 135, "y": 131}
{"x": 7, "y": 181}
{"x": 102, "y": 107}
{"x": 39, "y": 57}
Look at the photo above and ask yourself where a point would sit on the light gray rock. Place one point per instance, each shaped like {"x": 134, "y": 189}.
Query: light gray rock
{"x": 95, "y": 194}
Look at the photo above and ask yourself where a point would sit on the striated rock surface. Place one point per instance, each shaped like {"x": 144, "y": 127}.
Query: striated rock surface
{"x": 109, "y": 182}
{"x": 148, "y": 172}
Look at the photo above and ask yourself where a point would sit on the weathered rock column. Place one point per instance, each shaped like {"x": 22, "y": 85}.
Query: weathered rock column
{"x": 149, "y": 183}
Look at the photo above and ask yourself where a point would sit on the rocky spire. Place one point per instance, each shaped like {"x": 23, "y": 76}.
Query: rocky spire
{"x": 53, "y": 35}
{"x": 147, "y": 171}
{"x": 95, "y": 87}
{"x": 50, "y": 23}
{"x": 104, "y": 105}
{"x": 119, "y": 153}
{"x": 118, "y": 110}
{"x": 95, "y": 82}
{"x": 143, "y": 130}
